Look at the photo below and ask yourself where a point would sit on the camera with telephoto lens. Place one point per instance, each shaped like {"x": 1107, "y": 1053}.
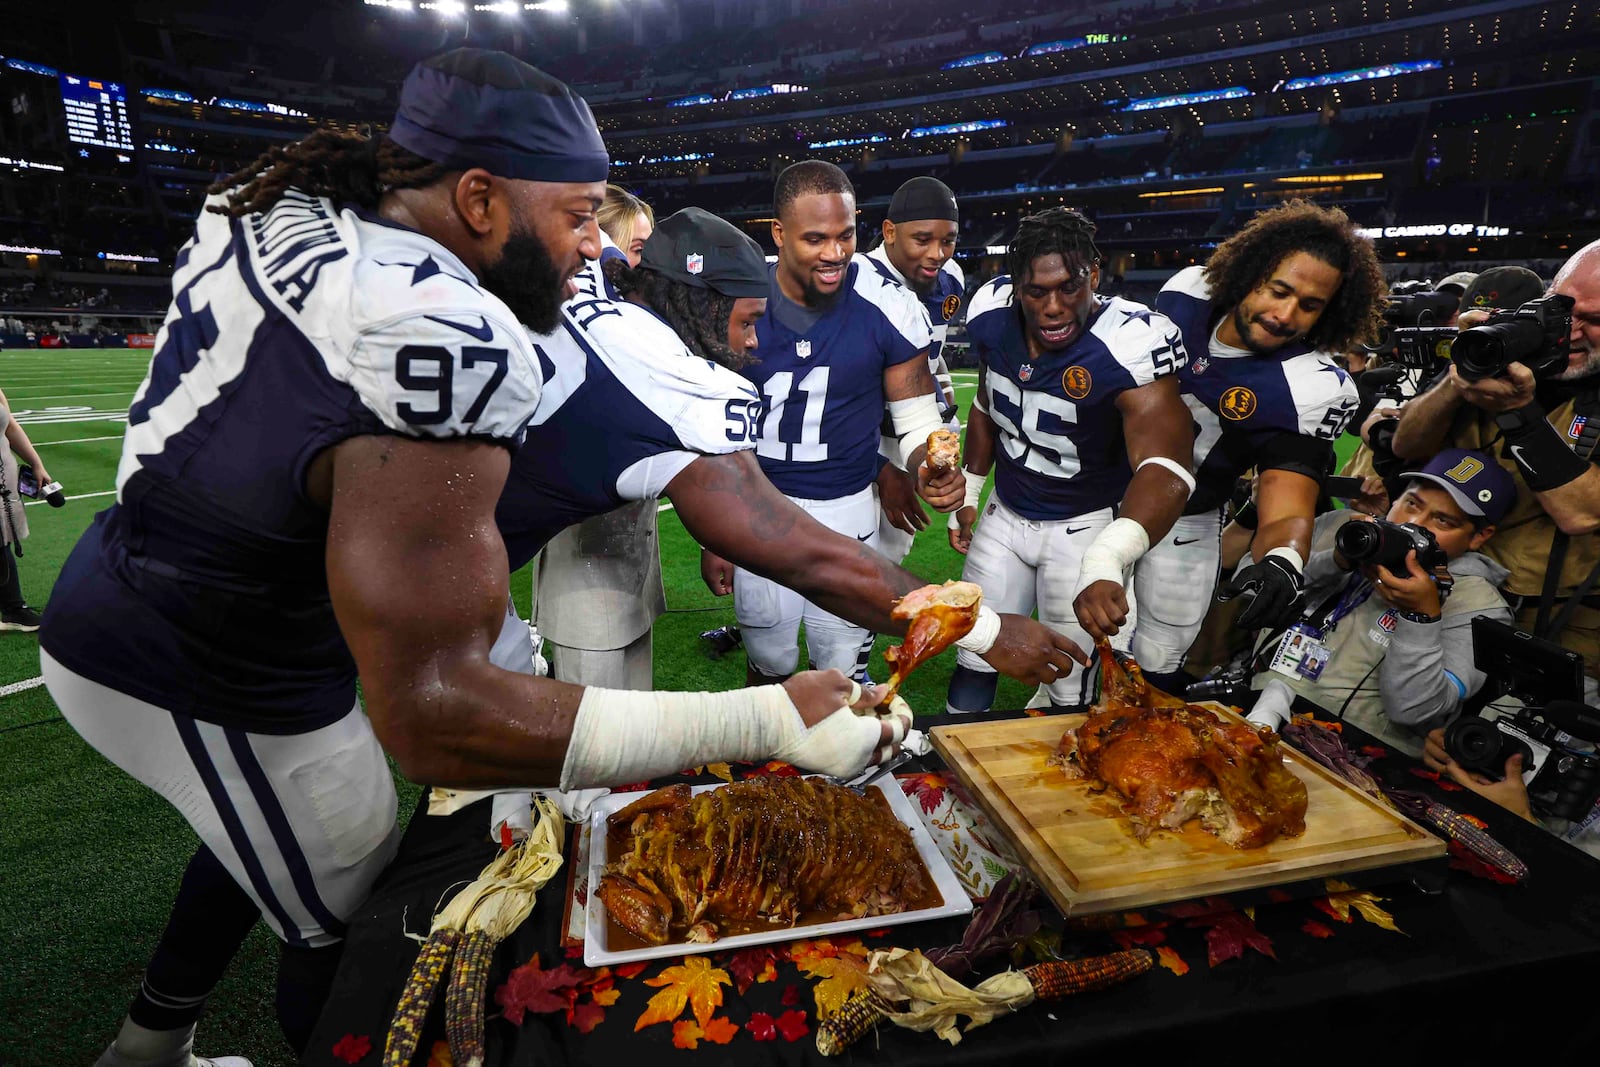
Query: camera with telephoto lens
{"x": 1414, "y": 333}
{"x": 1535, "y": 335}
{"x": 1562, "y": 782}
{"x": 1227, "y": 685}
{"x": 1385, "y": 543}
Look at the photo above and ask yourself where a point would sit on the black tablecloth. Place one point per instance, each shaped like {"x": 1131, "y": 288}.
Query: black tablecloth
{"x": 1481, "y": 971}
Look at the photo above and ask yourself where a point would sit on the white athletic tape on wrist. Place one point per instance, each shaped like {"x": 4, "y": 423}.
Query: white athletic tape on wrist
{"x": 620, "y": 736}
{"x": 1289, "y": 555}
{"x": 1178, "y": 470}
{"x": 984, "y": 632}
{"x": 1112, "y": 552}
{"x": 975, "y": 484}
{"x": 913, "y": 421}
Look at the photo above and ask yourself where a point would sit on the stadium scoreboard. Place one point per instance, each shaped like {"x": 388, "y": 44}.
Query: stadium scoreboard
{"x": 97, "y": 112}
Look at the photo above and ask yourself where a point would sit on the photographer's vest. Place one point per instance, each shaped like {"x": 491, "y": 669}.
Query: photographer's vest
{"x": 1522, "y": 539}
{"x": 1357, "y": 645}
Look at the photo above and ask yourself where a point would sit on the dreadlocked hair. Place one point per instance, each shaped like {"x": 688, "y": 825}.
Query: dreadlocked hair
{"x": 1055, "y": 231}
{"x": 344, "y": 167}
{"x": 698, "y": 316}
{"x": 1247, "y": 259}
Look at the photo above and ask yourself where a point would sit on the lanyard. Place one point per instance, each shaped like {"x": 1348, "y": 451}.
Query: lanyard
{"x": 1356, "y": 592}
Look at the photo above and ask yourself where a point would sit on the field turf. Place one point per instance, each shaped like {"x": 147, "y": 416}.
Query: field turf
{"x": 91, "y": 860}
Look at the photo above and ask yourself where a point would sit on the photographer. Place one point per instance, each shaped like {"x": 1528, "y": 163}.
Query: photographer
{"x": 1382, "y": 589}
{"x": 1511, "y": 793}
{"x": 1547, "y": 425}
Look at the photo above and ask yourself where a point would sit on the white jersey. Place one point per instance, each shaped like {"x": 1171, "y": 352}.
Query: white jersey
{"x": 203, "y": 590}
{"x": 625, "y": 408}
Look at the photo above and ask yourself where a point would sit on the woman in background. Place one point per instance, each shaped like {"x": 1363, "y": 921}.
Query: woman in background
{"x": 15, "y": 615}
{"x": 597, "y": 589}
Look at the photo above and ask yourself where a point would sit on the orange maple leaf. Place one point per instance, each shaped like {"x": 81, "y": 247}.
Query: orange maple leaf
{"x": 606, "y": 997}
{"x": 694, "y": 982}
{"x": 720, "y": 1031}
{"x": 841, "y": 976}
{"x": 686, "y": 1034}
{"x": 1172, "y": 961}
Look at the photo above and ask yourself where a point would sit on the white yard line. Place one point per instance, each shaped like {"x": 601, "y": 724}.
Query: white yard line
{"x": 71, "y": 396}
{"x": 81, "y": 440}
{"x": 79, "y": 496}
{"x": 21, "y": 687}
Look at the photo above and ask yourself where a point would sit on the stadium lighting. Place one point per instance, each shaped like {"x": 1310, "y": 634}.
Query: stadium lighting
{"x": 555, "y": 7}
{"x": 398, "y": 5}
{"x": 444, "y": 7}
{"x": 505, "y": 7}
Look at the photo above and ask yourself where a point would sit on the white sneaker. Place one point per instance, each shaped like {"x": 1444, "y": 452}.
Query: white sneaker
{"x": 184, "y": 1058}
{"x": 220, "y": 1061}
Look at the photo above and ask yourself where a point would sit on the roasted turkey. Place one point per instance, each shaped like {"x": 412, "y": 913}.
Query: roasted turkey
{"x": 1172, "y": 762}
{"x": 944, "y": 450}
{"x": 758, "y": 854}
{"x": 940, "y": 615}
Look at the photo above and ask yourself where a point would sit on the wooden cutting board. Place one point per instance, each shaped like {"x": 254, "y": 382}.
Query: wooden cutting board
{"x": 1082, "y": 850}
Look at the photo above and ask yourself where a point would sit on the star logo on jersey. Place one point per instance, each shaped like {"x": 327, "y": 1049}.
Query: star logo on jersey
{"x": 952, "y": 304}
{"x": 1200, "y": 365}
{"x": 1575, "y": 431}
{"x": 1076, "y": 381}
{"x": 1335, "y": 369}
{"x": 1025, "y": 372}
{"x": 1238, "y": 404}
{"x": 694, "y": 263}
{"x": 802, "y": 349}
{"x": 1142, "y": 314}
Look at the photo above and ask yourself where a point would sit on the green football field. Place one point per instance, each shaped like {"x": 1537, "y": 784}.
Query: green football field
{"x": 91, "y": 859}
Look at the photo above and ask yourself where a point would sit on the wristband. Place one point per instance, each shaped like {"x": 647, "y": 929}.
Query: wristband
{"x": 1536, "y": 447}
{"x": 975, "y": 484}
{"x": 1247, "y": 516}
{"x": 1289, "y": 556}
{"x": 1417, "y": 616}
{"x": 1178, "y": 470}
{"x": 984, "y": 632}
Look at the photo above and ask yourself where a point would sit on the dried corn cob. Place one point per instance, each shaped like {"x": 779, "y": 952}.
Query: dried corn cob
{"x": 1472, "y": 836}
{"x": 463, "y": 999}
{"x": 412, "y": 1010}
{"x": 862, "y": 1010}
{"x": 1060, "y": 978}
{"x": 510, "y": 885}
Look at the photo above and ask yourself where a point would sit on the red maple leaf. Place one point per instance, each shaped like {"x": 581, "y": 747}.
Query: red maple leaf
{"x": 1316, "y": 929}
{"x": 586, "y": 1016}
{"x": 352, "y": 1049}
{"x": 791, "y": 996}
{"x": 929, "y": 789}
{"x": 531, "y": 988}
{"x": 762, "y": 1027}
{"x": 1229, "y": 935}
{"x": 792, "y": 1025}
{"x": 751, "y": 965}
{"x": 1450, "y": 787}
{"x": 1463, "y": 858}
{"x": 631, "y": 970}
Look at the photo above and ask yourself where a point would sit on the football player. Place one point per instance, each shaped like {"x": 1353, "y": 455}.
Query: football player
{"x": 918, "y": 251}
{"x": 1263, "y": 321}
{"x": 307, "y": 489}
{"x": 837, "y": 342}
{"x": 1078, "y": 414}
{"x": 656, "y": 349}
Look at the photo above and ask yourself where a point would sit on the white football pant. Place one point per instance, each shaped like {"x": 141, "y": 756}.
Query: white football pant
{"x": 1175, "y": 582}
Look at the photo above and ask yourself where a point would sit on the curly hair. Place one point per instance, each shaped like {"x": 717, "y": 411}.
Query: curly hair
{"x": 1056, "y": 231}
{"x": 1247, "y": 259}
{"x": 344, "y": 167}
{"x": 698, "y": 316}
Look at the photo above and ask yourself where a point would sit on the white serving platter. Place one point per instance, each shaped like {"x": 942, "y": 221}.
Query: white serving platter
{"x": 595, "y": 953}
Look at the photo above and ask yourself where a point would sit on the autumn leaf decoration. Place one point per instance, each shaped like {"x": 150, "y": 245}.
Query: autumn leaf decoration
{"x": 693, "y": 983}
{"x": 352, "y": 1049}
{"x": 1342, "y": 900}
{"x": 688, "y": 1034}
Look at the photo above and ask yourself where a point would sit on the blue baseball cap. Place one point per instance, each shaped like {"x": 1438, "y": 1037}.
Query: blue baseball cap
{"x": 1481, "y": 488}
{"x": 474, "y": 107}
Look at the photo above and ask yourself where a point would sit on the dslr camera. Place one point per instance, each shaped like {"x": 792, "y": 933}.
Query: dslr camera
{"x": 1385, "y": 543}
{"x": 1562, "y": 780}
{"x": 1414, "y": 333}
{"x": 1534, "y": 335}
{"x": 1229, "y": 685}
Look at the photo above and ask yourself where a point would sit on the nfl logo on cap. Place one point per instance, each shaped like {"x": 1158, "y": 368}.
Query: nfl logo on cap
{"x": 694, "y": 263}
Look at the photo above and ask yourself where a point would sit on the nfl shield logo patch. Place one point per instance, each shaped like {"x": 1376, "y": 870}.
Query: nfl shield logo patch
{"x": 1199, "y": 366}
{"x": 802, "y": 349}
{"x": 1578, "y": 423}
{"x": 1025, "y": 371}
{"x": 695, "y": 263}
{"x": 1386, "y": 622}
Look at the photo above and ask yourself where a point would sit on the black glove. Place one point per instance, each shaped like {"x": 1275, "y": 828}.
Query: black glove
{"x": 1275, "y": 586}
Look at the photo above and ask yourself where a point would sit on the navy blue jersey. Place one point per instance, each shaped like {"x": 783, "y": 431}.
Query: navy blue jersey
{"x": 1061, "y": 448}
{"x": 1242, "y": 402}
{"x": 625, "y": 407}
{"x": 823, "y": 383}
{"x": 942, "y": 302}
{"x": 203, "y": 589}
